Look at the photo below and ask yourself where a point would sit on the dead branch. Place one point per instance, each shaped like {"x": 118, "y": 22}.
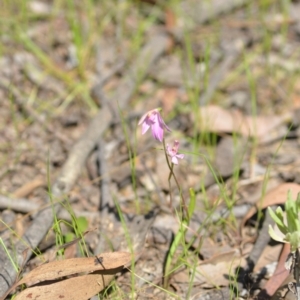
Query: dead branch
{"x": 106, "y": 199}
{"x": 26, "y": 206}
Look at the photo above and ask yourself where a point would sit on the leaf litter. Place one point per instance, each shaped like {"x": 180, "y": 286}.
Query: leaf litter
{"x": 60, "y": 268}
{"x": 102, "y": 269}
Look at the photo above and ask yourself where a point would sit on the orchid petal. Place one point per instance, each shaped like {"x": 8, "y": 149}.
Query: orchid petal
{"x": 145, "y": 127}
{"x": 154, "y": 120}
{"x": 176, "y": 146}
{"x": 143, "y": 118}
{"x": 157, "y": 131}
{"x": 162, "y": 123}
{"x": 174, "y": 160}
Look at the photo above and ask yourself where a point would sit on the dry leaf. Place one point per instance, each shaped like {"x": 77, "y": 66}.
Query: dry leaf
{"x": 261, "y": 126}
{"x": 276, "y": 196}
{"x": 279, "y": 195}
{"x": 217, "y": 119}
{"x": 270, "y": 254}
{"x": 82, "y": 287}
{"x": 217, "y": 271}
{"x": 279, "y": 278}
{"x": 57, "y": 269}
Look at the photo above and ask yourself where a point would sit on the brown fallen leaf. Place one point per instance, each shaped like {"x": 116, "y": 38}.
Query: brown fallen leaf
{"x": 269, "y": 254}
{"x": 217, "y": 270}
{"x": 81, "y": 287}
{"x": 217, "y": 119}
{"x": 276, "y": 196}
{"x": 279, "y": 277}
{"x": 279, "y": 195}
{"x": 58, "y": 269}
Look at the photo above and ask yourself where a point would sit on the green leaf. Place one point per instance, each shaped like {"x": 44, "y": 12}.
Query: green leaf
{"x": 294, "y": 240}
{"x": 69, "y": 237}
{"x": 274, "y": 236}
{"x": 291, "y": 214}
{"x": 298, "y": 202}
{"x": 277, "y": 216}
{"x": 289, "y": 202}
{"x": 82, "y": 224}
{"x": 192, "y": 203}
{"x": 292, "y": 219}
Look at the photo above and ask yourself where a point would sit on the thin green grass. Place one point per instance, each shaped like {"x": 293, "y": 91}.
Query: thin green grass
{"x": 253, "y": 91}
{"x": 84, "y": 46}
{"x": 130, "y": 246}
{"x": 77, "y": 225}
{"x": 179, "y": 239}
{"x": 132, "y": 153}
{"x": 12, "y": 260}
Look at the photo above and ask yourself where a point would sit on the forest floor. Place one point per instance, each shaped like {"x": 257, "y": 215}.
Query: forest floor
{"x": 80, "y": 183}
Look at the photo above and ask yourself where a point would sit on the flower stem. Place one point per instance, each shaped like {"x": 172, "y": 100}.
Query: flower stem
{"x": 183, "y": 202}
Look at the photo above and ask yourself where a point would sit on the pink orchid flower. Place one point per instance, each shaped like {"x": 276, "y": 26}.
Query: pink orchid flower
{"x": 154, "y": 120}
{"x": 173, "y": 152}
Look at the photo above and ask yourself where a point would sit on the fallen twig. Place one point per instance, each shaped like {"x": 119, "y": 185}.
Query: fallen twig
{"x": 29, "y": 187}
{"x": 106, "y": 199}
{"x": 26, "y": 206}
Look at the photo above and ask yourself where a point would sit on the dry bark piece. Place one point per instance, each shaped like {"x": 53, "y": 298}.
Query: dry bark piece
{"x": 60, "y": 268}
{"x": 82, "y": 287}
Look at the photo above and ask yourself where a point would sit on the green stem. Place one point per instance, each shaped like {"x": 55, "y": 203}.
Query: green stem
{"x": 183, "y": 224}
{"x": 176, "y": 242}
{"x": 183, "y": 202}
